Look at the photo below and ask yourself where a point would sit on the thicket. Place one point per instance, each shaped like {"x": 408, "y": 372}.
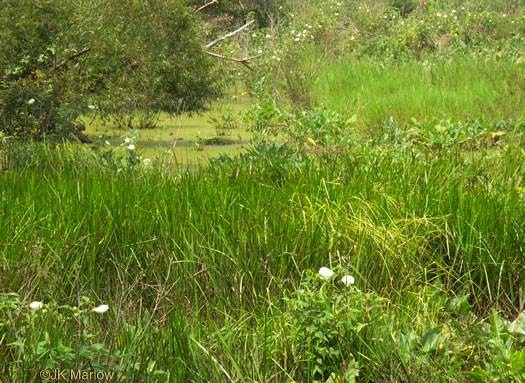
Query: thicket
{"x": 58, "y": 58}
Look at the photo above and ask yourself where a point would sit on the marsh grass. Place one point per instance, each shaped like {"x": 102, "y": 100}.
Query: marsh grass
{"x": 194, "y": 263}
{"x": 457, "y": 87}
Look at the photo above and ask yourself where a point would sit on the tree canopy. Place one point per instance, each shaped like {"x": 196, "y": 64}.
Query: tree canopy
{"x": 120, "y": 55}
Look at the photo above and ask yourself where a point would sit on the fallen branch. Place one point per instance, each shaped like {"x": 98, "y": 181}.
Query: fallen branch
{"x": 74, "y": 55}
{"x": 243, "y": 61}
{"x": 206, "y": 5}
{"x": 230, "y": 34}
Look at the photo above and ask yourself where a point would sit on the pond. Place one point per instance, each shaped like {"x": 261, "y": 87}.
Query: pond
{"x": 191, "y": 138}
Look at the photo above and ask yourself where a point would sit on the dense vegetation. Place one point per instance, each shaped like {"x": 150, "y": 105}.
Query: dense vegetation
{"x": 373, "y": 231}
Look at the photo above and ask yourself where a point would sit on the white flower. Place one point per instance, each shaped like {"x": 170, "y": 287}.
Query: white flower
{"x": 268, "y": 36}
{"x": 101, "y": 309}
{"x": 259, "y": 52}
{"x": 438, "y": 14}
{"x": 352, "y": 38}
{"x": 131, "y": 147}
{"x": 348, "y": 280}
{"x": 147, "y": 161}
{"x": 107, "y": 142}
{"x": 326, "y": 273}
{"x": 127, "y": 140}
{"x": 91, "y": 107}
{"x": 254, "y": 35}
{"x": 36, "y": 305}
{"x": 297, "y": 39}
{"x": 31, "y": 102}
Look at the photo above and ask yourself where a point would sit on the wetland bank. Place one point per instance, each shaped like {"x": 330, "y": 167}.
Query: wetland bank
{"x": 366, "y": 224}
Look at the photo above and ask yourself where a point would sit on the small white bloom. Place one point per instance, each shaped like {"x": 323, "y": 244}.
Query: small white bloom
{"x": 127, "y": 140}
{"x": 278, "y": 59}
{"x": 268, "y": 36}
{"x": 147, "y": 161}
{"x": 297, "y": 39}
{"x": 91, "y": 107}
{"x": 326, "y": 273}
{"x": 107, "y": 142}
{"x": 273, "y": 57}
{"x": 36, "y": 305}
{"x": 259, "y": 51}
{"x": 348, "y": 280}
{"x": 131, "y": 147}
{"x": 101, "y": 309}
{"x": 438, "y": 14}
{"x": 31, "y": 102}
{"x": 352, "y": 38}
{"x": 254, "y": 35}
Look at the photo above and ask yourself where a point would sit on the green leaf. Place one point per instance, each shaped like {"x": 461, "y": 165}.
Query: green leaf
{"x": 352, "y": 370}
{"x": 517, "y": 362}
{"x": 430, "y": 340}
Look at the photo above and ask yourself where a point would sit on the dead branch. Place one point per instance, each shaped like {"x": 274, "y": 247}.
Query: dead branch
{"x": 206, "y": 5}
{"x": 74, "y": 55}
{"x": 230, "y": 34}
{"x": 243, "y": 61}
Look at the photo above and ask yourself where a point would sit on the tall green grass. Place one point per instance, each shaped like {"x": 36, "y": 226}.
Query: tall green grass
{"x": 462, "y": 86}
{"x": 194, "y": 264}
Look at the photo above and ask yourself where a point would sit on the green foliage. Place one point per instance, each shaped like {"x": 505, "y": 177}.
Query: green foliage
{"x": 450, "y": 134}
{"x": 119, "y": 159}
{"x": 224, "y": 124}
{"x": 38, "y": 108}
{"x": 410, "y": 221}
{"x": 124, "y": 57}
{"x": 325, "y": 322}
{"x": 72, "y": 343}
{"x": 319, "y": 127}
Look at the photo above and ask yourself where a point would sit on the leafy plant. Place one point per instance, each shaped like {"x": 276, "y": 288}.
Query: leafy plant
{"x": 327, "y": 315}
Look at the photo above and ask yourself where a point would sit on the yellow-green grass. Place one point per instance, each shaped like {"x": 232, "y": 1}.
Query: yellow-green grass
{"x": 463, "y": 86}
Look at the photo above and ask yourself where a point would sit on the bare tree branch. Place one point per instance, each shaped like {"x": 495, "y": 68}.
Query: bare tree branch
{"x": 230, "y": 34}
{"x": 74, "y": 55}
{"x": 243, "y": 61}
{"x": 206, "y": 5}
